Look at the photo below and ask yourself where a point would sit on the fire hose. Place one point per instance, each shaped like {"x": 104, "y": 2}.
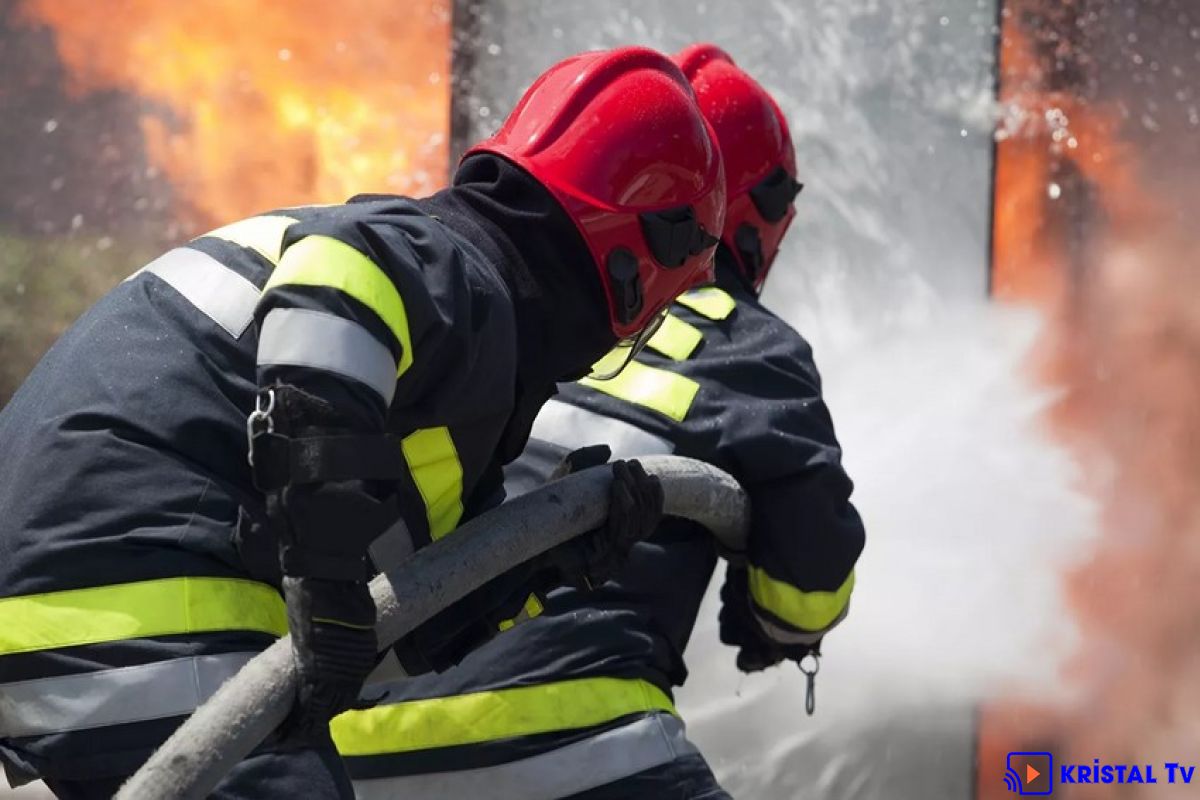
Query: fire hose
{"x": 247, "y": 708}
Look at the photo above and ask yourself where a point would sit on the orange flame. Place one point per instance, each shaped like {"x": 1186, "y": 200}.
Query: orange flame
{"x": 1080, "y": 231}
{"x": 251, "y": 106}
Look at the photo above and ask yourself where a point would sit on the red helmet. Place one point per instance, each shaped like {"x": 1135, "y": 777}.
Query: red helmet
{"x": 618, "y": 139}
{"x": 760, "y": 164}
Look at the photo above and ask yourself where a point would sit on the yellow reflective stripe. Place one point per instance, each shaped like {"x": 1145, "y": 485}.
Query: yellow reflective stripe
{"x": 809, "y": 611}
{"x": 612, "y": 360}
{"x": 138, "y": 610}
{"x": 532, "y": 608}
{"x": 435, "y": 468}
{"x": 657, "y": 389}
{"x": 709, "y": 302}
{"x": 675, "y": 339}
{"x": 324, "y": 261}
{"x": 263, "y": 234}
{"x": 487, "y": 716}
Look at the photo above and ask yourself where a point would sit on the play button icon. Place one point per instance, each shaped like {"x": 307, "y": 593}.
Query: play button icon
{"x": 1029, "y": 774}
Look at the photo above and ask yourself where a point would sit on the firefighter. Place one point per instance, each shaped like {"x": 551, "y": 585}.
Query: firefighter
{"x": 577, "y": 702}
{"x": 204, "y": 459}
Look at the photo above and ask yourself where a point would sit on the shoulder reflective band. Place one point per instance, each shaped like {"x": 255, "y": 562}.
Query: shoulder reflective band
{"x": 572, "y": 427}
{"x": 435, "y": 469}
{"x": 114, "y": 696}
{"x": 533, "y": 608}
{"x": 564, "y": 771}
{"x": 657, "y": 389}
{"x": 675, "y": 338}
{"x": 261, "y": 234}
{"x": 709, "y": 302}
{"x": 809, "y": 611}
{"x": 324, "y": 261}
{"x": 218, "y": 292}
{"x": 486, "y": 716}
{"x": 138, "y": 610}
{"x": 305, "y": 338}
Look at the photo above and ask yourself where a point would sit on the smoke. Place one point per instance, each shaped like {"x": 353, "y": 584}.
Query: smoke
{"x": 1118, "y": 283}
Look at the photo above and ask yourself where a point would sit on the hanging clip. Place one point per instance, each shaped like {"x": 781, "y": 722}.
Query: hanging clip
{"x": 810, "y": 665}
{"x": 259, "y": 421}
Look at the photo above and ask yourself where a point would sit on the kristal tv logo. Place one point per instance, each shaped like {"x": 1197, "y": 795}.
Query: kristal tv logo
{"x": 1029, "y": 774}
{"x": 1032, "y": 774}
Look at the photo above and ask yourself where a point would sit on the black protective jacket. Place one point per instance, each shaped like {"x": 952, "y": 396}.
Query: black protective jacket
{"x": 124, "y": 598}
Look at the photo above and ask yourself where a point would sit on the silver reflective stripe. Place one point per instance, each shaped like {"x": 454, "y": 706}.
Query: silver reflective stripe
{"x": 572, "y": 427}
{"x": 300, "y": 337}
{"x": 647, "y": 743}
{"x": 221, "y": 294}
{"x": 785, "y": 636}
{"x": 114, "y": 696}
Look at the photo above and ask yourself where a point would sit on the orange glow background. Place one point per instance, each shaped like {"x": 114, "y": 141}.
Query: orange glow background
{"x": 251, "y": 106}
{"x": 1087, "y": 230}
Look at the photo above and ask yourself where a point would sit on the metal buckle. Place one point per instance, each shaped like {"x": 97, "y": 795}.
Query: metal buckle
{"x": 259, "y": 421}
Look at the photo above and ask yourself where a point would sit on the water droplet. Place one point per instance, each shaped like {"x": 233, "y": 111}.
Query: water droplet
{"x": 962, "y": 132}
{"x": 285, "y": 54}
{"x": 1054, "y": 191}
{"x": 484, "y": 111}
{"x": 104, "y": 242}
{"x": 57, "y": 184}
{"x": 944, "y": 21}
{"x": 493, "y": 49}
{"x": 51, "y": 126}
{"x": 76, "y": 221}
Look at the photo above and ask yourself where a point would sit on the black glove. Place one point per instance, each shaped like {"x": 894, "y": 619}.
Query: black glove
{"x": 634, "y": 513}
{"x": 333, "y": 639}
{"x": 464, "y": 626}
{"x": 323, "y": 529}
{"x": 330, "y": 612}
{"x": 456, "y": 631}
{"x": 740, "y": 629}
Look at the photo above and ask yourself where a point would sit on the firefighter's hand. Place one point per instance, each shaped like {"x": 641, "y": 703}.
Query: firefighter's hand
{"x": 333, "y": 640}
{"x": 581, "y": 459}
{"x": 634, "y": 512}
{"x": 740, "y": 629}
